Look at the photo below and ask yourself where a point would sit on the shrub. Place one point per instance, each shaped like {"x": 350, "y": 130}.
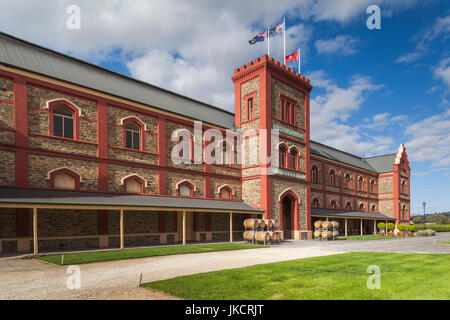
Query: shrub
{"x": 418, "y": 220}
{"x": 390, "y": 226}
{"x": 411, "y": 228}
{"x": 381, "y": 225}
{"x": 401, "y": 227}
{"x": 426, "y": 233}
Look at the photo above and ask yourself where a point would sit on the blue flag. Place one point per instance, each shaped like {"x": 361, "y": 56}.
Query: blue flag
{"x": 258, "y": 38}
{"x": 276, "y": 30}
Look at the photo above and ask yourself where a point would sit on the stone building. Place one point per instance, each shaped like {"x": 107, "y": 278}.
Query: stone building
{"x": 87, "y": 159}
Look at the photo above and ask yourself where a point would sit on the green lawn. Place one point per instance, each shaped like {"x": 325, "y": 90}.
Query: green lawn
{"x": 373, "y": 237}
{"x": 448, "y": 242}
{"x": 342, "y": 276}
{"x": 435, "y": 227}
{"x": 88, "y": 257}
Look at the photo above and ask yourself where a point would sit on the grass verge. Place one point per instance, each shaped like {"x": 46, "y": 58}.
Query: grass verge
{"x": 447, "y": 242}
{"x": 373, "y": 237}
{"x": 342, "y": 276}
{"x": 98, "y": 256}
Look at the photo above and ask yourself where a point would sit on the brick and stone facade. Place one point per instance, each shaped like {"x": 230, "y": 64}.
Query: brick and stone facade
{"x": 99, "y": 160}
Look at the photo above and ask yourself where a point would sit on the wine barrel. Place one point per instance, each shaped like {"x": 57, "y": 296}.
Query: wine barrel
{"x": 317, "y": 234}
{"x": 277, "y": 236}
{"x": 262, "y": 235}
{"x": 326, "y": 224}
{"x": 335, "y": 234}
{"x": 262, "y": 223}
{"x": 334, "y": 224}
{"x": 251, "y": 223}
{"x": 318, "y": 223}
{"x": 327, "y": 234}
{"x": 248, "y": 235}
{"x": 269, "y": 224}
{"x": 276, "y": 223}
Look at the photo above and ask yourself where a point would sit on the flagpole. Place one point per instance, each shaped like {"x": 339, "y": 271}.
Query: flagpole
{"x": 268, "y": 42}
{"x": 299, "y": 61}
{"x": 284, "y": 40}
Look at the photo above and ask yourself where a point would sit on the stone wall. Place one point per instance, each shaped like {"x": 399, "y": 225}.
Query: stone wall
{"x": 7, "y": 168}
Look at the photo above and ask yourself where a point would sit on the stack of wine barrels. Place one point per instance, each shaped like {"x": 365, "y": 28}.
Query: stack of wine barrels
{"x": 262, "y": 230}
{"x": 326, "y": 230}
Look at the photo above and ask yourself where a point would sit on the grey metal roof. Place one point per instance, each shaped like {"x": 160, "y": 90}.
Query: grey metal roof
{"x": 24, "y": 55}
{"x": 378, "y": 164}
{"x": 342, "y": 213}
{"x": 56, "y": 197}
{"x": 383, "y": 163}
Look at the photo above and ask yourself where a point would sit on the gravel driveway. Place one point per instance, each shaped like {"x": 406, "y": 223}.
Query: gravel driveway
{"x": 34, "y": 279}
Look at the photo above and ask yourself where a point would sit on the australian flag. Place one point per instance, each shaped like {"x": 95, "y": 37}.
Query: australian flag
{"x": 258, "y": 38}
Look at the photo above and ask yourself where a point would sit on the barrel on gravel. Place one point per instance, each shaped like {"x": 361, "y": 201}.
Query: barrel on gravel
{"x": 318, "y": 224}
{"x": 262, "y": 236}
{"x": 251, "y": 223}
{"x": 248, "y": 235}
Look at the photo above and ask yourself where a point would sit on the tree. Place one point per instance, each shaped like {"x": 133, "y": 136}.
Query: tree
{"x": 438, "y": 219}
{"x": 418, "y": 220}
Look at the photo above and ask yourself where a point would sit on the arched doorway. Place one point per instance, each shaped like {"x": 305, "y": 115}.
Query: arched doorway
{"x": 288, "y": 209}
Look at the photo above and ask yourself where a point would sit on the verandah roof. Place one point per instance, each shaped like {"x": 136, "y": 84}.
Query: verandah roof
{"x": 28, "y": 198}
{"x": 348, "y": 214}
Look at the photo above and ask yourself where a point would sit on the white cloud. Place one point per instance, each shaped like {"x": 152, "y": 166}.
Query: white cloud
{"x": 423, "y": 39}
{"x": 343, "y": 45}
{"x": 429, "y": 140}
{"x": 443, "y": 72}
{"x": 383, "y": 120}
{"x": 331, "y": 111}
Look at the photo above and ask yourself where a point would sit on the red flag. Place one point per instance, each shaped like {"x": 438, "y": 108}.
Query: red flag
{"x": 292, "y": 57}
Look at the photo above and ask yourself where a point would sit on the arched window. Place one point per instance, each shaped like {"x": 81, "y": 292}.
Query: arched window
{"x": 361, "y": 207}
{"x": 372, "y": 186}
{"x": 133, "y": 184}
{"x": 132, "y": 136}
{"x": 332, "y": 176}
{"x": 314, "y": 174}
{"x": 250, "y": 109}
{"x": 333, "y": 204}
{"x": 404, "y": 212}
{"x": 315, "y": 203}
{"x": 348, "y": 181}
{"x": 374, "y": 208}
{"x": 403, "y": 186}
{"x": 64, "y": 179}
{"x": 293, "y": 159}
{"x": 227, "y": 153}
{"x": 348, "y": 206}
{"x": 282, "y": 157}
{"x": 225, "y": 193}
{"x": 360, "y": 184}
{"x": 186, "y": 189}
{"x": 63, "y": 122}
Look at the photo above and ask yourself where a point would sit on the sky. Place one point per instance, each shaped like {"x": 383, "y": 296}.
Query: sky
{"x": 373, "y": 89}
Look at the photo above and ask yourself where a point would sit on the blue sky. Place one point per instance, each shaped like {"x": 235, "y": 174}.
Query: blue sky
{"x": 373, "y": 89}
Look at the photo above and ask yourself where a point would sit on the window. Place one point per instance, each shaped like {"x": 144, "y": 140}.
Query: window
{"x": 134, "y": 186}
{"x": 333, "y": 204}
{"x": 332, "y": 177}
{"x": 282, "y": 157}
{"x": 186, "y": 189}
{"x": 360, "y": 184}
{"x": 64, "y": 179}
{"x": 288, "y": 110}
{"x": 374, "y": 208}
{"x": 403, "y": 187}
{"x": 225, "y": 193}
{"x": 403, "y": 212}
{"x": 348, "y": 181}
{"x": 293, "y": 159}
{"x": 348, "y": 206}
{"x": 315, "y": 203}
{"x": 250, "y": 109}
{"x": 361, "y": 207}
{"x": 63, "y": 122}
{"x": 132, "y": 136}
{"x": 314, "y": 173}
{"x": 372, "y": 186}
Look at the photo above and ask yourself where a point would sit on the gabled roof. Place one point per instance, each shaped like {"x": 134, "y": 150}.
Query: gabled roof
{"x": 49, "y": 198}
{"x": 379, "y": 164}
{"x": 27, "y": 56}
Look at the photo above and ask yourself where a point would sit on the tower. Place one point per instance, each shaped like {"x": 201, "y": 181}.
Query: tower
{"x": 269, "y": 98}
